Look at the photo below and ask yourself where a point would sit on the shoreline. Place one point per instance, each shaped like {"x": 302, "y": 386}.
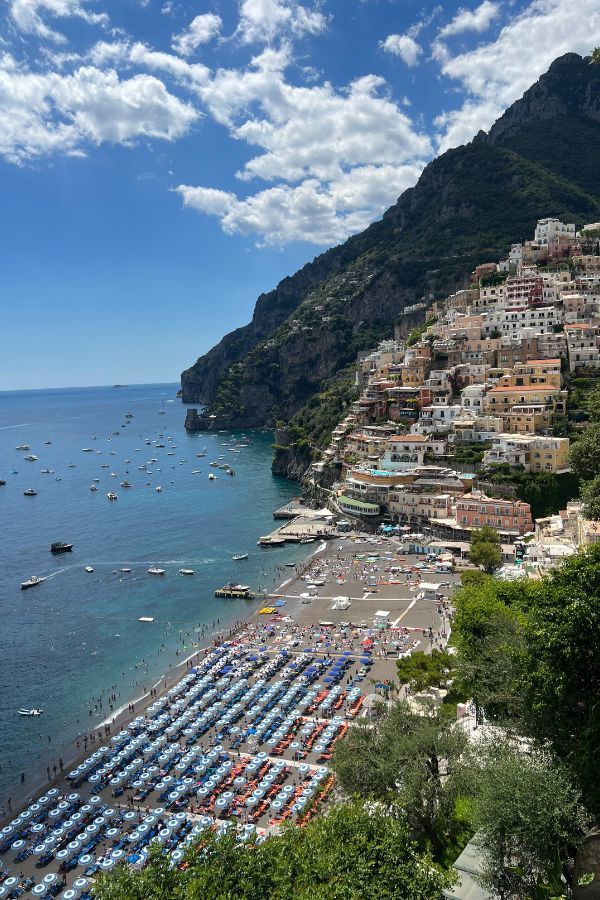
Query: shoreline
{"x": 72, "y": 755}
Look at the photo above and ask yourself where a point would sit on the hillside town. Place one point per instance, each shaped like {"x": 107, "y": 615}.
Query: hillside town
{"x": 481, "y": 387}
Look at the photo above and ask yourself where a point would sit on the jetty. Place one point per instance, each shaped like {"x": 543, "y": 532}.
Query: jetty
{"x": 235, "y": 592}
{"x": 307, "y": 525}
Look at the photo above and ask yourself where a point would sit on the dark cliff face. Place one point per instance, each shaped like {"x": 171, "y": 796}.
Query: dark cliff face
{"x": 539, "y": 159}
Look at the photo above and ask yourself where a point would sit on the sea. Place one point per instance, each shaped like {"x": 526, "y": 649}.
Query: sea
{"x": 69, "y": 643}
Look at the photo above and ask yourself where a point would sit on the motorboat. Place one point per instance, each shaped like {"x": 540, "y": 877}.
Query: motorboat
{"x": 93, "y": 487}
{"x": 23, "y": 447}
{"x": 30, "y": 457}
{"x": 124, "y": 569}
{"x": 104, "y": 466}
{"x": 158, "y": 489}
{"x": 60, "y": 547}
{"x": 88, "y": 569}
{"x": 239, "y": 556}
{"x": 30, "y": 712}
{"x": 31, "y": 582}
{"x": 86, "y": 450}
{"x": 111, "y": 496}
{"x": 125, "y": 484}
{"x": 186, "y": 571}
{"x": 30, "y": 493}
{"x": 2, "y": 482}
{"x": 230, "y": 472}
{"x": 212, "y": 477}
{"x": 153, "y": 570}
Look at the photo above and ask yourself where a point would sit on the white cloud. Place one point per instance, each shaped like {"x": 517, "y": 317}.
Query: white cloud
{"x": 404, "y": 46}
{"x": 201, "y": 30}
{"x": 42, "y": 113}
{"x": 311, "y": 211}
{"x": 27, "y": 16}
{"x": 339, "y": 157}
{"x": 261, "y": 21}
{"x": 478, "y": 20}
{"x": 497, "y": 73}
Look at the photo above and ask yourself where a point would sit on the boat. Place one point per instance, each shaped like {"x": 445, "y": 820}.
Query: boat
{"x": 186, "y": 571}
{"x": 239, "y": 556}
{"x": 30, "y": 458}
{"x": 158, "y": 489}
{"x": 93, "y": 487}
{"x": 212, "y": 477}
{"x": 230, "y": 472}
{"x": 153, "y": 570}
{"x": 47, "y": 442}
{"x": 31, "y": 582}
{"x": 307, "y": 541}
{"x": 104, "y": 466}
{"x": 23, "y": 447}
{"x": 60, "y": 547}
{"x": 125, "y": 484}
{"x": 86, "y": 450}
{"x": 233, "y": 591}
{"x": 88, "y": 569}
{"x": 2, "y": 482}
{"x": 111, "y": 496}
{"x": 30, "y": 712}
{"x": 124, "y": 569}
{"x": 71, "y": 466}
{"x": 47, "y": 471}
{"x": 269, "y": 541}
{"x": 30, "y": 493}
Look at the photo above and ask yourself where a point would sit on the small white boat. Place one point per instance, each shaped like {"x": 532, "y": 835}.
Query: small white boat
{"x": 31, "y": 582}
{"x": 111, "y": 496}
{"x": 30, "y": 493}
{"x": 212, "y": 477}
{"x": 93, "y": 487}
{"x": 240, "y": 556}
{"x": 31, "y": 712}
{"x": 125, "y": 484}
{"x": 125, "y": 569}
{"x": 158, "y": 489}
{"x": 86, "y": 450}
{"x": 186, "y": 571}
{"x": 23, "y": 447}
{"x": 30, "y": 458}
{"x": 153, "y": 570}
{"x": 88, "y": 569}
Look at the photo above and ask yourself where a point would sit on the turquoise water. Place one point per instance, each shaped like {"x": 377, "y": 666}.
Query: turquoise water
{"x": 66, "y": 642}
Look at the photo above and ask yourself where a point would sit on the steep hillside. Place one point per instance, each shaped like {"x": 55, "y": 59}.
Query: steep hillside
{"x": 469, "y": 204}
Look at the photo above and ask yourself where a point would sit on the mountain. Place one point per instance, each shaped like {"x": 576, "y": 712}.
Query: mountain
{"x": 539, "y": 159}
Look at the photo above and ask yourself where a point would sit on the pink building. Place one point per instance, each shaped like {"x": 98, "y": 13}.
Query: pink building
{"x": 474, "y": 510}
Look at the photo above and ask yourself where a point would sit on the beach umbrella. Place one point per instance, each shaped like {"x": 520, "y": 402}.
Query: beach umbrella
{"x": 116, "y": 855}
{"x": 50, "y": 878}
{"x": 80, "y": 883}
{"x": 69, "y": 894}
{"x": 84, "y": 860}
{"x": 95, "y": 799}
{"x": 11, "y": 882}
{"x": 107, "y": 864}
{"x": 39, "y": 890}
{"x": 52, "y": 792}
{"x": 39, "y": 849}
{"x": 112, "y": 833}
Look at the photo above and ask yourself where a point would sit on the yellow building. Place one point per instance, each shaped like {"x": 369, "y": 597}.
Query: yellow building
{"x": 503, "y": 397}
{"x": 527, "y": 419}
{"x": 538, "y": 371}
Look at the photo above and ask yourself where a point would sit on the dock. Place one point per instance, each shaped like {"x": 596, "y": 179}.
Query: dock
{"x": 292, "y": 509}
{"x": 309, "y": 525}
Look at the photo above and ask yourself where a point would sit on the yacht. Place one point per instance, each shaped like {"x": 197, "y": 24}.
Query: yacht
{"x": 104, "y": 466}
{"x": 186, "y": 571}
{"x": 23, "y": 447}
{"x": 47, "y": 471}
{"x": 30, "y": 493}
{"x": 93, "y": 487}
{"x": 88, "y": 569}
{"x": 30, "y": 712}
{"x": 158, "y": 489}
{"x": 111, "y": 496}
{"x": 31, "y": 582}
{"x": 124, "y": 569}
{"x": 60, "y": 547}
{"x": 153, "y": 570}
{"x": 239, "y": 556}
{"x": 30, "y": 458}
{"x": 125, "y": 484}
{"x": 212, "y": 477}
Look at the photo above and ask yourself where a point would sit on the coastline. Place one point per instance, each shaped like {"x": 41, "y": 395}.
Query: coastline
{"x": 21, "y": 795}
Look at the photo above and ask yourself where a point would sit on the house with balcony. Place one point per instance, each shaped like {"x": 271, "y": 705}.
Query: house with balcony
{"x": 510, "y": 516}
{"x": 583, "y": 345}
{"x": 436, "y": 418}
{"x": 534, "y": 453}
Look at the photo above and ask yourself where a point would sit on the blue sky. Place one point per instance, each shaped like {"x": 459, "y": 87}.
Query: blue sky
{"x": 163, "y": 162}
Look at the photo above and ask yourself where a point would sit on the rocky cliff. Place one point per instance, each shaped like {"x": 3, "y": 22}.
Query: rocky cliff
{"x": 539, "y": 159}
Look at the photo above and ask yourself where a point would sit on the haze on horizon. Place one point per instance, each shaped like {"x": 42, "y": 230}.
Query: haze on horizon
{"x": 159, "y": 170}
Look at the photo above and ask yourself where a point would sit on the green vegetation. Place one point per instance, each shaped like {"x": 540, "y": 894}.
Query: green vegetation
{"x": 350, "y": 854}
{"x": 417, "y": 332}
{"x": 546, "y": 492}
{"x": 584, "y": 455}
{"x": 424, "y": 670}
{"x": 484, "y": 549}
{"x": 590, "y": 494}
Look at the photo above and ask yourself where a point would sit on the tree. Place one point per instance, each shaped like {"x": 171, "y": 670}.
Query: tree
{"x": 424, "y": 670}
{"x": 590, "y": 494}
{"x": 596, "y": 56}
{"x": 414, "y": 760}
{"x": 528, "y": 819}
{"x": 592, "y": 404}
{"x": 489, "y": 633}
{"x": 485, "y": 549}
{"x": 561, "y": 667}
{"x": 352, "y": 853}
{"x": 584, "y": 455}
